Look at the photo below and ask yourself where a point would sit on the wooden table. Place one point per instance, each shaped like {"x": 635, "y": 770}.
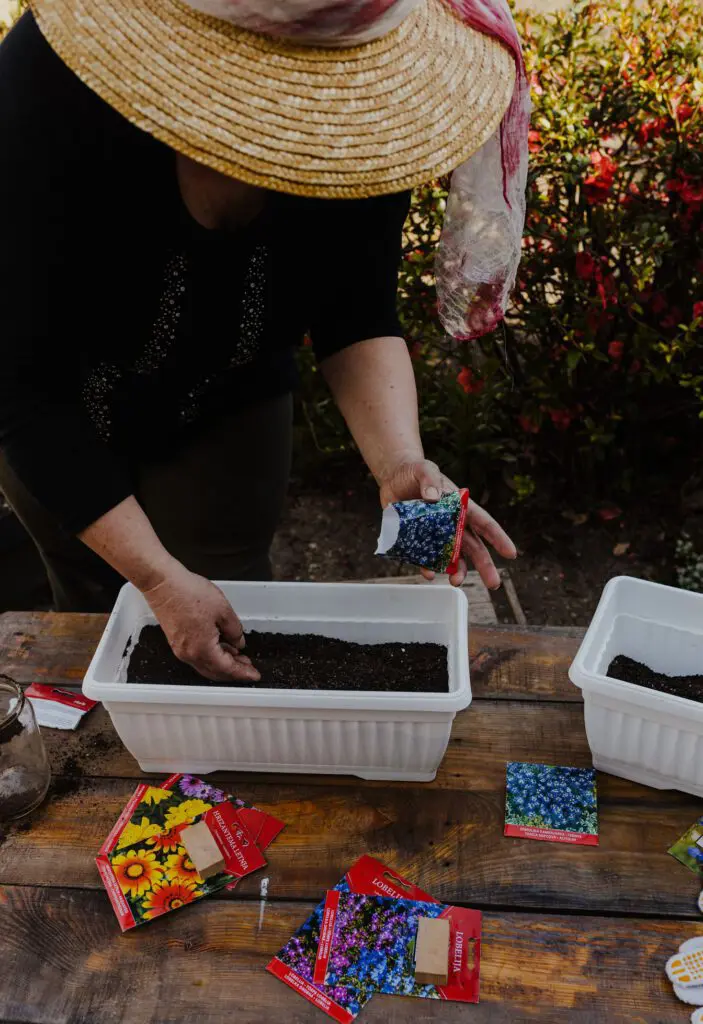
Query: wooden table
{"x": 571, "y": 934}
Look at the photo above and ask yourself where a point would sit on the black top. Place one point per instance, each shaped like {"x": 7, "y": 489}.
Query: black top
{"x": 123, "y": 323}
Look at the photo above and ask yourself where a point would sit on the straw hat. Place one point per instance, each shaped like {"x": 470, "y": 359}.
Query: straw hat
{"x": 316, "y": 120}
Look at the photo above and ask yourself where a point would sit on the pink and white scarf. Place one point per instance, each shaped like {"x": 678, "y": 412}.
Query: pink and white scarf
{"x": 479, "y": 249}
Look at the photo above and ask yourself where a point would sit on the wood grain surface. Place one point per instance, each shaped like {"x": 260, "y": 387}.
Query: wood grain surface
{"x": 65, "y": 962}
{"x": 572, "y": 935}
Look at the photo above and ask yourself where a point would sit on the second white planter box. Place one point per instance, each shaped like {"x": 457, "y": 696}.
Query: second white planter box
{"x": 372, "y": 734}
{"x": 640, "y": 734}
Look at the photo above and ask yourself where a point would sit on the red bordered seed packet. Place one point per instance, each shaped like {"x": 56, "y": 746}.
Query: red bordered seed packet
{"x": 551, "y": 803}
{"x": 367, "y": 944}
{"x": 295, "y": 963}
{"x": 143, "y": 863}
{"x": 55, "y": 708}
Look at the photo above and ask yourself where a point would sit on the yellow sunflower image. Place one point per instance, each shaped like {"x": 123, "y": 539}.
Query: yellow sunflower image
{"x": 167, "y": 896}
{"x": 180, "y": 868}
{"x": 166, "y": 840}
{"x": 137, "y": 833}
{"x": 186, "y": 811}
{"x": 154, "y": 795}
{"x": 136, "y": 871}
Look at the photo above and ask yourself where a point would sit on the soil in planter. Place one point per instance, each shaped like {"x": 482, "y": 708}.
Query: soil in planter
{"x": 306, "y": 663}
{"x": 634, "y": 672}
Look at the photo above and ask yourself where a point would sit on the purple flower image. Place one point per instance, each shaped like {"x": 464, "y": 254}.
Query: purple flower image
{"x": 300, "y": 953}
{"x": 373, "y": 948}
{"x": 196, "y": 789}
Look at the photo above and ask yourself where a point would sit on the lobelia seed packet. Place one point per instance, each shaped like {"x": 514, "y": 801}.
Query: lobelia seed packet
{"x": 551, "y": 803}
{"x": 295, "y": 963}
{"x": 688, "y": 850}
{"x": 367, "y": 945}
{"x": 143, "y": 864}
{"x": 425, "y": 533}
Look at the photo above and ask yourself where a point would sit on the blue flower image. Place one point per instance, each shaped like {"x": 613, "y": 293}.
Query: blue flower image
{"x": 688, "y": 849}
{"x": 547, "y": 796}
{"x": 426, "y": 531}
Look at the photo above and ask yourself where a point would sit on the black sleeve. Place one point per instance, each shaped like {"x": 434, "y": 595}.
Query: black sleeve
{"x": 47, "y": 252}
{"x": 356, "y": 257}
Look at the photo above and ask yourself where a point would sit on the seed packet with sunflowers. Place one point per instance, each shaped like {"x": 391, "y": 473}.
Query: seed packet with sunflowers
{"x": 143, "y": 863}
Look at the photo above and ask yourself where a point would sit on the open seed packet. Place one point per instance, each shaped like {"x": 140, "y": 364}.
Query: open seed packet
{"x": 551, "y": 803}
{"x": 368, "y": 944}
{"x": 425, "y": 533}
{"x": 295, "y": 963}
{"x": 144, "y": 864}
{"x": 688, "y": 850}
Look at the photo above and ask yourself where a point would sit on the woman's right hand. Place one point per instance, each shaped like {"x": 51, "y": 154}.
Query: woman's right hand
{"x": 200, "y": 625}
{"x": 194, "y": 614}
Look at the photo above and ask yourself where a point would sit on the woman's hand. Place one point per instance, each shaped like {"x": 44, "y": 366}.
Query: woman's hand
{"x": 423, "y": 479}
{"x": 200, "y": 625}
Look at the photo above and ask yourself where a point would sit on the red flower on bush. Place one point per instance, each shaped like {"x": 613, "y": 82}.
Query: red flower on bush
{"x": 597, "y": 186}
{"x": 616, "y": 350}
{"x": 672, "y": 318}
{"x": 697, "y": 310}
{"x": 585, "y": 266}
{"x": 689, "y": 189}
{"x": 684, "y": 111}
{"x": 469, "y": 382}
{"x": 561, "y": 418}
{"x": 534, "y": 141}
{"x": 659, "y": 303}
{"x": 528, "y": 424}
{"x": 651, "y": 129}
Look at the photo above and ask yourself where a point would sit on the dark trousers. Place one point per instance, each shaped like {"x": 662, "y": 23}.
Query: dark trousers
{"x": 215, "y": 505}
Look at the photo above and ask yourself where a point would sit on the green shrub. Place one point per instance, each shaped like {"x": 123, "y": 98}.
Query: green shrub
{"x": 597, "y": 371}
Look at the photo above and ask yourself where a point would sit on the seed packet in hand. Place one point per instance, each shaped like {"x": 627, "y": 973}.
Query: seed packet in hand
{"x": 688, "y": 850}
{"x": 551, "y": 803}
{"x": 295, "y": 963}
{"x": 367, "y": 945}
{"x": 425, "y": 533}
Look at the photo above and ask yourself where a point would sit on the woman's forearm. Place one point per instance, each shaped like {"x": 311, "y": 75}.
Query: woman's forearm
{"x": 125, "y": 539}
{"x": 374, "y": 386}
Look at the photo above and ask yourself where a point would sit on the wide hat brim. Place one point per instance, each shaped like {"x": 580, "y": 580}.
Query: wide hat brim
{"x": 335, "y": 123}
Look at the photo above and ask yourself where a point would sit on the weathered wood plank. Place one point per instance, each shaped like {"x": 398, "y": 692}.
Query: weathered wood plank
{"x": 46, "y": 647}
{"x": 484, "y": 737}
{"x": 449, "y": 842}
{"x": 64, "y": 961}
{"x": 507, "y": 662}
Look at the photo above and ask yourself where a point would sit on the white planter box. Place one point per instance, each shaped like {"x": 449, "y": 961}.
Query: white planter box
{"x": 372, "y": 734}
{"x": 636, "y": 733}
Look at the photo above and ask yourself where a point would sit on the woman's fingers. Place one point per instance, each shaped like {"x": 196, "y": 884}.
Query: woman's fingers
{"x": 485, "y": 526}
{"x": 459, "y": 576}
{"x": 477, "y": 552}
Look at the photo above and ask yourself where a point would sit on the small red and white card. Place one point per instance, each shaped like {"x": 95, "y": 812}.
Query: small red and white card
{"x": 55, "y": 708}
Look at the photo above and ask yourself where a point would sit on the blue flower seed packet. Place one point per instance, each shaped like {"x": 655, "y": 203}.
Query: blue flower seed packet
{"x": 551, "y": 803}
{"x": 425, "y": 533}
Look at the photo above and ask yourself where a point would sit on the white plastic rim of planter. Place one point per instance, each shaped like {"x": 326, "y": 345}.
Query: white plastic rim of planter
{"x": 372, "y": 734}
{"x": 640, "y": 734}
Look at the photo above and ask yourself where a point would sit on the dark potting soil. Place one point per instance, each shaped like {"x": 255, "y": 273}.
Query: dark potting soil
{"x": 305, "y": 663}
{"x": 634, "y": 672}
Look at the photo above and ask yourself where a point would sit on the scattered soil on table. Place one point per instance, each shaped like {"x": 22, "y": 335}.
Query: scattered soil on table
{"x": 634, "y": 672}
{"x": 306, "y": 663}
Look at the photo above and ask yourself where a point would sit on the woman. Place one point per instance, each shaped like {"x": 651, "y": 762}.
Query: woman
{"x": 190, "y": 187}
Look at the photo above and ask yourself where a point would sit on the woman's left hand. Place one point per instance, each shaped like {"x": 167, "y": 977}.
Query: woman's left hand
{"x": 423, "y": 479}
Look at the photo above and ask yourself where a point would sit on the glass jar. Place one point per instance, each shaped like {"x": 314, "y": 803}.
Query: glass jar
{"x": 24, "y": 767}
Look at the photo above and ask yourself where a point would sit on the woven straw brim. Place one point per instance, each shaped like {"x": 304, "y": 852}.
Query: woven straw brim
{"x": 334, "y": 123}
